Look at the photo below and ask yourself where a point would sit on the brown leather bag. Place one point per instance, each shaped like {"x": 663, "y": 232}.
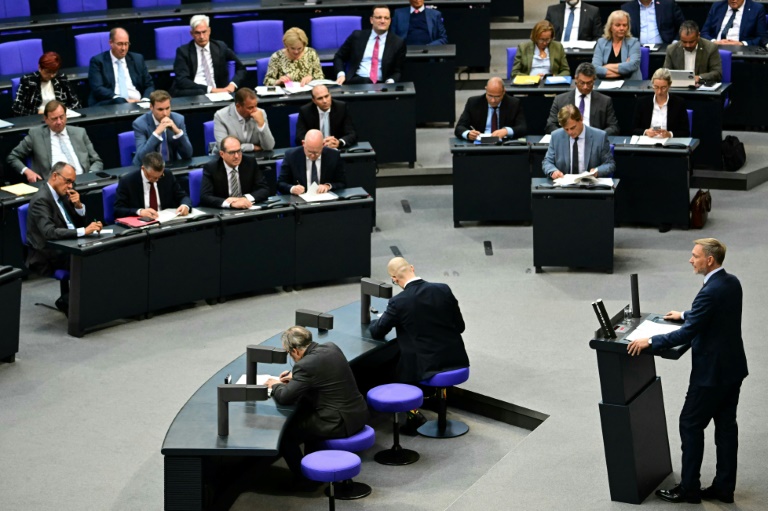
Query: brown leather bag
{"x": 701, "y": 205}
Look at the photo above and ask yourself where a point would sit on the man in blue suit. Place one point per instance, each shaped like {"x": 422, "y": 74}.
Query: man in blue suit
{"x": 736, "y": 22}
{"x": 136, "y": 83}
{"x": 147, "y": 191}
{"x": 419, "y": 25}
{"x": 161, "y": 131}
{"x": 718, "y": 365}
{"x": 576, "y": 148}
{"x": 654, "y": 21}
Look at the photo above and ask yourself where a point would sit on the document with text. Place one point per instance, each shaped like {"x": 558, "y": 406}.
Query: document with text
{"x": 650, "y": 328}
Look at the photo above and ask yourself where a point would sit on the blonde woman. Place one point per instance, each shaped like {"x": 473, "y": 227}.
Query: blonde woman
{"x": 617, "y": 53}
{"x": 541, "y": 55}
{"x": 295, "y": 63}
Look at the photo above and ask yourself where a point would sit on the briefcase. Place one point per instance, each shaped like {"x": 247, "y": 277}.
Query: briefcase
{"x": 701, "y": 205}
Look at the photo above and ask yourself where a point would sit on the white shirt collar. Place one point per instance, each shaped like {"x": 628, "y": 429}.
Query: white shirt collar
{"x": 420, "y": 9}
{"x": 53, "y": 192}
{"x": 414, "y": 279}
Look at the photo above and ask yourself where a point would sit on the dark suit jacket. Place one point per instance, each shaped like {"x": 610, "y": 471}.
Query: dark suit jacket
{"x": 590, "y": 25}
{"x": 708, "y": 64}
{"x": 185, "y": 68}
{"x": 476, "y": 112}
{"x": 677, "y": 117}
{"x": 129, "y": 196}
{"x": 341, "y": 123}
{"x": 713, "y": 329}
{"x": 352, "y": 50}
{"x": 146, "y": 142}
{"x": 45, "y": 222}
{"x": 28, "y": 97}
{"x": 601, "y": 114}
{"x": 429, "y": 326}
{"x": 323, "y": 382}
{"x": 214, "y": 189}
{"x": 101, "y": 76}
{"x": 669, "y": 17}
{"x": 401, "y": 20}
{"x": 753, "y": 27}
{"x": 294, "y": 170}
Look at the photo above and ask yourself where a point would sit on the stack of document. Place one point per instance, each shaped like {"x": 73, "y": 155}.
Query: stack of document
{"x": 295, "y": 87}
{"x": 219, "y": 96}
{"x": 651, "y": 328}
{"x": 610, "y": 84}
{"x": 557, "y": 80}
{"x": 311, "y": 195}
{"x": 19, "y": 189}
{"x": 583, "y": 179}
{"x": 5, "y": 124}
{"x": 71, "y": 114}
{"x": 580, "y": 45}
{"x": 710, "y": 87}
{"x": 263, "y": 90}
{"x": 526, "y": 80}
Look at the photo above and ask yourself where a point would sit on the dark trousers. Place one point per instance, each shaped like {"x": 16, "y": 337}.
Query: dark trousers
{"x": 303, "y": 429}
{"x": 355, "y": 79}
{"x": 703, "y": 404}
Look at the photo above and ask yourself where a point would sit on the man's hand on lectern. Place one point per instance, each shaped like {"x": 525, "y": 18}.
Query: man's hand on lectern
{"x": 637, "y": 346}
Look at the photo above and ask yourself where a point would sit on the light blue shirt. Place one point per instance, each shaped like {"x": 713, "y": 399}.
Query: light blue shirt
{"x": 540, "y": 66}
{"x": 649, "y": 31}
{"x": 365, "y": 64}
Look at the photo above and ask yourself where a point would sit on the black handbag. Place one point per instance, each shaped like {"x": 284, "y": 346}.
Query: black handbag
{"x": 734, "y": 156}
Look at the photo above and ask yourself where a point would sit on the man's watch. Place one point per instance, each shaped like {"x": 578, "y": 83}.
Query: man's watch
{"x": 649, "y": 341}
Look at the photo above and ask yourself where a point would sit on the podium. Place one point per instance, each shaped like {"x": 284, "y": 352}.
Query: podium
{"x": 632, "y": 415}
{"x": 10, "y": 297}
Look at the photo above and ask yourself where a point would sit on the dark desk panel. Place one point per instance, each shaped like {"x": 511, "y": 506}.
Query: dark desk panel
{"x": 572, "y": 227}
{"x": 695, "y": 10}
{"x": 490, "y": 183}
{"x": 10, "y": 312}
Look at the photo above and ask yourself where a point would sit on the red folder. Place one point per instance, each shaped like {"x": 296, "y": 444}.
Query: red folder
{"x": 133, "y": 222}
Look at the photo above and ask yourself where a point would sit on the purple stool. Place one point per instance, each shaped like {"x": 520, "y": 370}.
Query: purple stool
{"x": 442, "y": 427}
{"x": 394, "y": 398}
{"x": 330, "y": 467}
{"x": 360, "y": 441}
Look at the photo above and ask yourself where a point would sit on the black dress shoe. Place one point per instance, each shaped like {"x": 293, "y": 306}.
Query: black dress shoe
{"x": 665, "y": 227}
{"x": 62, "y": 304}
{"x": 412, "y": 424}
{"x": 713, "y": 493}
{"x": 677, "y": 494}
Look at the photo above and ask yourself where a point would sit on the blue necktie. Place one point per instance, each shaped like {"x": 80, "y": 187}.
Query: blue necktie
{"x": 121, "y": 88}
{"x": 569, "y": 26}
{"x": 729, "y": 25}
{"x": 166, "y": 152}
{"x": 581, "y": 104}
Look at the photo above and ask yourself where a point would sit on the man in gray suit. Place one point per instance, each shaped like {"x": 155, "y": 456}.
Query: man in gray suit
{"x": 54, "y": 142}
{"x": 597, "y": 111}
{"x": 245, "y": 121}
{"x": 693, "y": 52}
{"x": 576, "y": 148}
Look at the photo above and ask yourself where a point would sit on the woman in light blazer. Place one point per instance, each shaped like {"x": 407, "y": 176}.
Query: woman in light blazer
{"x": 541, "y": 55}
{"x": 617, "y": 53}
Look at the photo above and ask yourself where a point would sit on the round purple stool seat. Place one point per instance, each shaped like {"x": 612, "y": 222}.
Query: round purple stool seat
{"x": 394, "y": 398}
{"x": 360, "y": 441}
{"x": 330, "y": 466}
{"x": 442, "y": 427}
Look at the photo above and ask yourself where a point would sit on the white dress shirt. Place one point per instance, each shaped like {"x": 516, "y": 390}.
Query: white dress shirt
{"x": 309, "y": 171}
{"x": 230, "y": 170}
{"x": 587, "y": 105}
{"x": 80, "y": 212}
{"x": 146, "y": 185}
{"x": 659, "y": 117}
{"x": 204, "y": 52}
{"x": 576, "y": 21}
{"x": 57, "y": 153}
{"x": 133, "y": 92}
{"x": 689, "y": 57}
{"x": 733, "y": 33}
{"x": 47, "y": 94}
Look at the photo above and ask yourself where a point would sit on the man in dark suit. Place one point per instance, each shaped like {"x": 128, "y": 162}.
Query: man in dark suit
{"x": 106, "y": 69}
{"x": 597, "y": 110}
{"x": 429, "y": 324}
{"x": 150, "y": 189}
{"x": 575, "y": 21}
{"x": 718, "y": 365}
{"x": 329, "y": 116}
{"x": 232, "y": 180}
{"x": 161, "y": 131}
{"x": 322, "y": 384}
{"x": 494, "y": 113}
{"x": 576, "y": 148}
{"x": 56, "y": 213}
{"x": 664, "y": 18}
{"x": 201, "y": 65}
{"x": 661, "y": 115}
{"x": 693, "y": 52}
{"x": 312, "y": 163}
{"x": 418, "y": 25}
{"x": 366, "y": 65}
{"x": 736, "y": 22}
{"x": 45, "y": 145}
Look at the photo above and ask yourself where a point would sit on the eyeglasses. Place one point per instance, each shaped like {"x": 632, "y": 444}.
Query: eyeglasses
{"x": 121, "y": 45}
{"x": 585, "y": 84}
{"x": 236, "y": 151}
{"x": 661, "y": 87}
{"x": 66, "y": 180}
{"x": 543, "y": 41}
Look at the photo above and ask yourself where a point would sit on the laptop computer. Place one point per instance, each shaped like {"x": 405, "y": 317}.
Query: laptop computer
{"x": 682, "y": 79}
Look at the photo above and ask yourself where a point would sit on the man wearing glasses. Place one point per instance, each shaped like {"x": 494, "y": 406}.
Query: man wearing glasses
{"x": 494, "y": 113}
{"x": 312, "y": 163}
{"x": 232, "y": 180}
{"x": 596, "y": 109}
{"x": 147, "y": 191}
{"x": 56, "y": 213}
{"x": 45, "y": 145}
{"x": 118, "y": 75}
{"x": 376, "y": 55}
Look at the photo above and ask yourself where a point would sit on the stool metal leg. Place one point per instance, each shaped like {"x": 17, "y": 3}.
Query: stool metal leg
{"x": 350, "y": 490}
{"x": 396, "y": 455}
{"x": 442, "y": 427}
{"x": 331, "y": 500}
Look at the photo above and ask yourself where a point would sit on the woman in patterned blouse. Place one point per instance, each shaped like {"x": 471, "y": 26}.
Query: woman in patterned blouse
{"x": 295, "y": 63}
{"x": 38, "y": 88}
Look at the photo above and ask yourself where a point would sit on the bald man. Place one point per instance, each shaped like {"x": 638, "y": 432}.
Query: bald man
{"x": 429, "y": 324}
{"x": 329, "y": 116}
{"x": 494, "y": 113}
{"x": 311, "y": 163}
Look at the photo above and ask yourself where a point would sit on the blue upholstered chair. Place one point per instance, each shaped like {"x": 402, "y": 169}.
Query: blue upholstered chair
{"x": 15, "y": 82}
{"x": 261, "y": 70}
{"x": 126, "y": 143}
{"x": 331, "y": 31}
{"x": 66, "y": 6}
{"x": 195, "y": 182}
{"x": 14, "y": 8}
{"x": 88, "y": 45}
{"x": 208, "y": 136}
{"x": 726, "y": 59}
{"x": 690, "y": 121}
{"x": 511, "y": 52}
{"x": 167, "y": 39}
{"x": 292, "y": 120}
{"x": 140, "y": 4}
{"x": 108, "y": 196}
{"x": 20, "y": 57}
{"x": 262, "y": 36}
{"x": 645, "y": 59}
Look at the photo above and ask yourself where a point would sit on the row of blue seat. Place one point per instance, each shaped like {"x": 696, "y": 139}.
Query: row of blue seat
{"x": 20, "y": 8}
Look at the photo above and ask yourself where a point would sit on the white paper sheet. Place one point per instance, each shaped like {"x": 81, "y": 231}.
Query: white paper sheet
{"x": 651, "y": 328}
